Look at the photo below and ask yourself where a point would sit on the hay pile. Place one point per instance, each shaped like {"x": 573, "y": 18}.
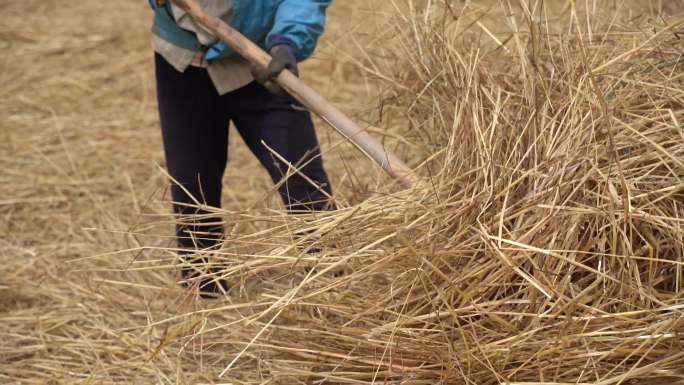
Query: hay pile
{"x": 546, "y": 246}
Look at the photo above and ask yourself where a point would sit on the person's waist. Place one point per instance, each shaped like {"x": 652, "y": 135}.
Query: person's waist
{"x": 199, "y": 61}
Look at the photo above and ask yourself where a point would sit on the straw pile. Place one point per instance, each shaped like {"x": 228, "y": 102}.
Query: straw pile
{"x": 545, "y": 246}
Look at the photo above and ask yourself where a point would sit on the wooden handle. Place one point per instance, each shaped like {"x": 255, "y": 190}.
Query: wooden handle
{"x": 311, "y": 99}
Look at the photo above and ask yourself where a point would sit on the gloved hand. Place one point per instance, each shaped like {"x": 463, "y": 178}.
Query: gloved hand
{"x": 282, "y": 56}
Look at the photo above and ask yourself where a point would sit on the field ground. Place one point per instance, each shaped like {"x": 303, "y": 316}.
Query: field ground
{"x": 88, "y": 287}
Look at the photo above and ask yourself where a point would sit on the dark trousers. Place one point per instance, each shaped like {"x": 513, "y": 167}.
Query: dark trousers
{"x": 194, "y": 123}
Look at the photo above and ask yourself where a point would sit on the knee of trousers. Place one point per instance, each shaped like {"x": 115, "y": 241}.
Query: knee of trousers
{"x": 187, "y": 190}
{"x": 300, "y": 195}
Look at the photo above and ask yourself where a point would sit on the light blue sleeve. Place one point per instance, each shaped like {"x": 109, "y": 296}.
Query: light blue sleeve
{"x": 299, "y": 23}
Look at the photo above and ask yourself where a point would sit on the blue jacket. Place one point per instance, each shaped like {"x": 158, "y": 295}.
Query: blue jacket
{"x": 297, "y": 23}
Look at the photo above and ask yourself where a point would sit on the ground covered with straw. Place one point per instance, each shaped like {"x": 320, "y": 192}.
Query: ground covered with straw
{"x": 545, "y": 244}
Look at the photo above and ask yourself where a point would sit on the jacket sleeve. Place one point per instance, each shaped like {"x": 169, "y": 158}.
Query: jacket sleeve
{"x": 299, "y": 24}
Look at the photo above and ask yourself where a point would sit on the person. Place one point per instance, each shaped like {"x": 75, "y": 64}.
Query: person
{"x": 202, "y": 86}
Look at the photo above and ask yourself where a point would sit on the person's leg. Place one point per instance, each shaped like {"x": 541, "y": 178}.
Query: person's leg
{"x": 195, "y": 135}
{"x": 288, "y": 131}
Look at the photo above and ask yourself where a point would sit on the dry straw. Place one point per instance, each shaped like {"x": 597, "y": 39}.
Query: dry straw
{"x": 546, "y": 248}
